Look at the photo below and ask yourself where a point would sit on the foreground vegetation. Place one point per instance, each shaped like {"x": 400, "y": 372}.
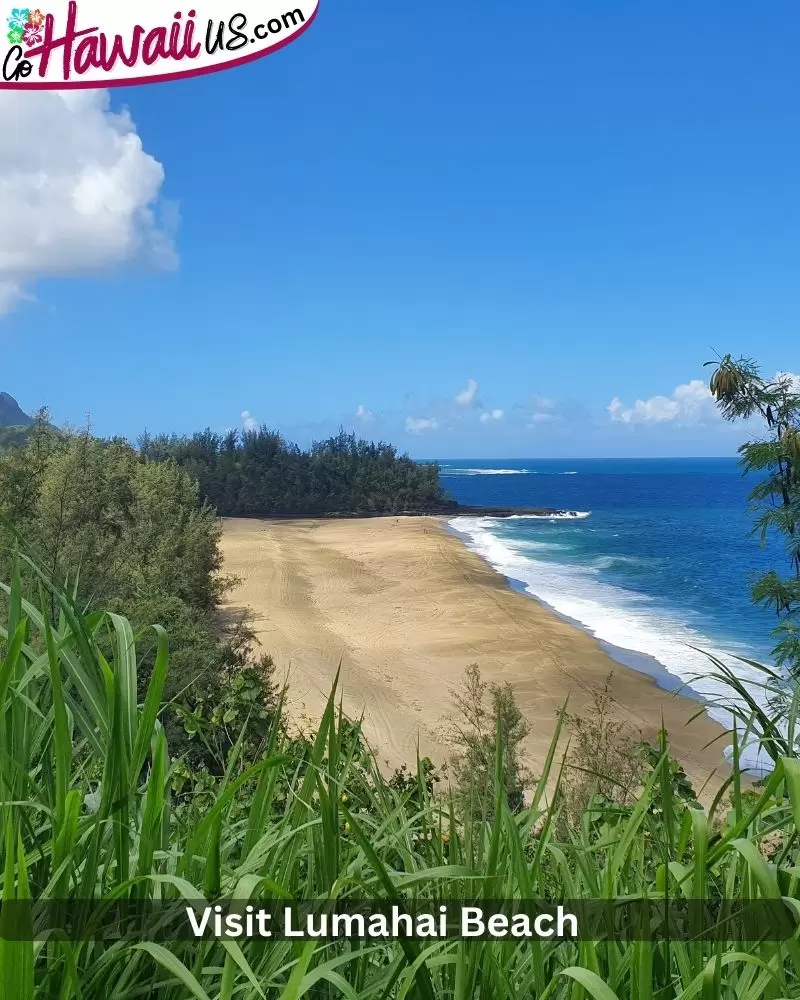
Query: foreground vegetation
{"x": 93, "y": 806}
{"x": 132, "y": 535}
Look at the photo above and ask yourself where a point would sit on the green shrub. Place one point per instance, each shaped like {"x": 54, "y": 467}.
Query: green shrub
{"x": 484, "y": 711}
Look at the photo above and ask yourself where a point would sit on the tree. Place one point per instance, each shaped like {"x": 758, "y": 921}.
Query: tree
{"x": 742, "y": 393}
{"x": 258, "y": 474}
{"x": 484, "y": 713}
{"x": 131, "y": 533}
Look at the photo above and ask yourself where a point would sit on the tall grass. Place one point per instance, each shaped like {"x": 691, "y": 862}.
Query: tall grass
{"x": 87, "y": 812}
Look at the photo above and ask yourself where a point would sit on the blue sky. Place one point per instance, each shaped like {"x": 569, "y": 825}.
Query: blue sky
{"x": 566, "y": 203}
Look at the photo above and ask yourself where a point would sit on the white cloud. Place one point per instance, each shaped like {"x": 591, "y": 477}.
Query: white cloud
{"x": 364, "y": 415}
{"x": 541, "y": 418}
{"x": 468, "y": 395}
{"x": 78, "y": 193}
{"x": 655, "y": 409}
{"x": 417, "y": 425}
{"x": 248, "y": 421}
{"x": 490, "y": 415}
{"x": 691, "y": 402}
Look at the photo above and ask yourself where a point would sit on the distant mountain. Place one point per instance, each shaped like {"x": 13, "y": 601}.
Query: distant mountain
{"x": 10, "y": 413}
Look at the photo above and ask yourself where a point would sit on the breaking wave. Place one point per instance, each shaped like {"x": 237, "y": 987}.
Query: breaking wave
{"x": 623, "y": 618}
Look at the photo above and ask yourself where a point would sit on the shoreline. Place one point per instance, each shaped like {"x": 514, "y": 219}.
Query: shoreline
{"x": 403, "y": 606}
{"x": 453, "y": 509}
{"x": 631, "y": 659}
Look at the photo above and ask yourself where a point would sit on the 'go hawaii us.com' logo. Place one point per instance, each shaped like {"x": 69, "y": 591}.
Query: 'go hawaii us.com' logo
{"x": 117, "y": 44}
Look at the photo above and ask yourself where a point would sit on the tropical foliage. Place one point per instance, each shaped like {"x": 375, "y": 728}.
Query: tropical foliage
{"x": 742, "y": 393}
{"x": 122, "y": 533}
{"x": 89, "y": 812}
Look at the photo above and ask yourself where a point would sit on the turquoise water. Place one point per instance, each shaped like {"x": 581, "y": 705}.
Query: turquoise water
{"x": 658, "y": 562}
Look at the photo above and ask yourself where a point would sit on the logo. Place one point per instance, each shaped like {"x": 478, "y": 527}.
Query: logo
{"x": 97, "y": 44}
{"x": 25, "y": 26}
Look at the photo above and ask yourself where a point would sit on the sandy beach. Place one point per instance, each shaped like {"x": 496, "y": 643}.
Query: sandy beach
{"x": 404, "y": 607}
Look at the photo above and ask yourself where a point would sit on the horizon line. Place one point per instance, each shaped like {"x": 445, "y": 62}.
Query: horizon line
{"x": 584, "y": 458}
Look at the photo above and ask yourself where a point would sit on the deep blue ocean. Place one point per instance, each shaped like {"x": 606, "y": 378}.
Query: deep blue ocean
{"x": 658, "y": 561}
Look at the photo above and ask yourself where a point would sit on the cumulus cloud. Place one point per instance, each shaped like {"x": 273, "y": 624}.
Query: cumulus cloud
{"x": 691, "y": 402}
{"x": 248, "y": 421}
{"x": 490, "y": 415}
{"x": 418, "y": 425}
{"x": 78, "y": 193}
{"x": 468, "y": 395}
{"x": 541, "y": 418}
{"x": 364, "y": 415}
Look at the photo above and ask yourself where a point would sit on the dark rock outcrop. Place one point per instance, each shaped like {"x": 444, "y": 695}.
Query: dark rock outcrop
{"x": 10, "y": 413}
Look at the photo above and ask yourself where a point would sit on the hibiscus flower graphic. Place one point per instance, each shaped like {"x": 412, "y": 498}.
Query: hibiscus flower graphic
{"x": 15, "y": 36}
{"x": 32, "y": 34}
{"x": 19, "y": 18}
{"x": 35, "y": 18}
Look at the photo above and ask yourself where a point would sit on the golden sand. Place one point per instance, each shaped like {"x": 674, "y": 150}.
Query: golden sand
{"x": 404, "y": 607}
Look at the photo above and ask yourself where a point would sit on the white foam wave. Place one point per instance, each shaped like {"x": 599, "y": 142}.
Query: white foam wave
{"x": 561, "y": 515}
{"x": 452, "y": 471}
{"x": 457, "y": 470}
{"x": 622, "y": 618}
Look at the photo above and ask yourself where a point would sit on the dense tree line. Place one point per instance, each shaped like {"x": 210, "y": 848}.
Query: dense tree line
{"x": 124, "y": 533}
{"x": 137, "y": 529}
{"x": 258, "y": 473}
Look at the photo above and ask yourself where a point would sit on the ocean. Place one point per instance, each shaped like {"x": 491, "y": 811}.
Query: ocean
{"x": 656, "y": 565}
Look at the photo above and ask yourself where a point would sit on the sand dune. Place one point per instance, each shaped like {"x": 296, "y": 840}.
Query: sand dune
{"x": 405, "y": 607}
